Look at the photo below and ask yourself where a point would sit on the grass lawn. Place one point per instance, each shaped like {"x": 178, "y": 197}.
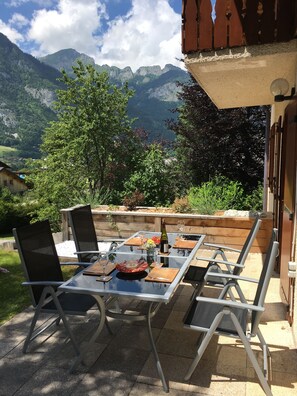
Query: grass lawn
{"x": 13, "y": 296}
{"x": 4, "y": 150}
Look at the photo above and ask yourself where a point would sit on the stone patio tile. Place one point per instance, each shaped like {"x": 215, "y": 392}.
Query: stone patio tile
{"x": 50, "y": 381}
{"x": 134, "y": 337}
{"x": 174, "y": 368}
{"x": 277, "y": 334}
{"x": 177, "y": 342}
{"x": 282, "y": 359}
{"x": 14, "y": 374}
{"x": 66, "y": 356}
{"x": 282, "y": 384}
{"x": 140, "y": 389}
{"x": 175, "y": 320}
{"x": 211, "y": 379}
{"x": 127, "y": 361}
{"x": 109, "y": 383}
{"x": 8, "y": 344}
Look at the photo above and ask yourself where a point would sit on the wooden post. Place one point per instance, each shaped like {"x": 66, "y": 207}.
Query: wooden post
{"x": 65, "y": 225}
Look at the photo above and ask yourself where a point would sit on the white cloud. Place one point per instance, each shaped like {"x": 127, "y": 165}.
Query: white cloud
{"x": 72, "y": 25}
{"x": 17, "y": 3}
{"x": 18, "y": 20}
{"x": 148, "y": 35}
{"x": 10, "y": 32}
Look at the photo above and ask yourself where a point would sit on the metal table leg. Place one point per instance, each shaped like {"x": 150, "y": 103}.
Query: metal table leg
{"x": 153, "y": 345}
{"x": 101, "y": 308}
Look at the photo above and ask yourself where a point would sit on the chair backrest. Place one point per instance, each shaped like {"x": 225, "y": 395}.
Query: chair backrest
{"x": 247, "y": 245}
{"x": 83, "y": 231}
{"x": 38, "y": 255}
{"x": 266, "y": 273}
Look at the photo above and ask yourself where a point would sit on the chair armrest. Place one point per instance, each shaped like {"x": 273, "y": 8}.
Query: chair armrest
{"x": 230, "y": 276}
{"x": 77, "y": 263}
{"x": 42, "y": 283}
{"x": 88, "y": 252}
{"x": 230, "y": 303}
{"x": 216, "y": 261}
{"x": 223, "y": 247}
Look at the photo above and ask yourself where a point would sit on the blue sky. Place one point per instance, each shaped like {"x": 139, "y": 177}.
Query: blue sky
{"x": 115, "y": 32}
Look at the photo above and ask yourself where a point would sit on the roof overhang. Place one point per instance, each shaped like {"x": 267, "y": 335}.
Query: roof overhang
{"x": 242, "y": 76}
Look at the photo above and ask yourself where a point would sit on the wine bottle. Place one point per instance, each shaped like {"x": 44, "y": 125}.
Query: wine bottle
{"x": 164, "y": 239}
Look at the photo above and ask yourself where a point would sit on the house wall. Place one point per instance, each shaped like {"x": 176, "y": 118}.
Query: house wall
{"x": 14, "y": 184}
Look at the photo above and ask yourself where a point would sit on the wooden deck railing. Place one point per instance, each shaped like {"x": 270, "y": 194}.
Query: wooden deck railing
{"x": 233, "y": 23}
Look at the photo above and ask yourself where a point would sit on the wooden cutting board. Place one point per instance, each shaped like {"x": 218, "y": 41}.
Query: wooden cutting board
{"x": 184, "y": 244}
{"x": 164, "y": 275}
{"x": 136, "y": 241}
{"x": 97, "y": 269}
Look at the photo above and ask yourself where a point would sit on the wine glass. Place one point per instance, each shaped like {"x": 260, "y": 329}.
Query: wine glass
{"x": 104, "y": 259}
{"x": 181, "y": 228}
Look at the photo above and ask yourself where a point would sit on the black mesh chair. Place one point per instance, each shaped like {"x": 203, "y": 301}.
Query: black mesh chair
{"x": 198, "y": 276}
{"x": 84, "y": 234}
{"x": 43, "y": 276}
{"x": 236, "y": 319}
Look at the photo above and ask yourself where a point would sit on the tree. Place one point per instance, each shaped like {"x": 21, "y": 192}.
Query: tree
{"x": 153, "y": 177}
{"x": 214, "y": 142}
{"x": 90, "y": 146}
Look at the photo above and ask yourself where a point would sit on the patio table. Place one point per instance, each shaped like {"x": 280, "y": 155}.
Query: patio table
{"x": 135, "y": 286}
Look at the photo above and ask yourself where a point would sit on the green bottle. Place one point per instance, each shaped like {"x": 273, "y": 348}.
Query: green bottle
{"x": 164, "y": 239}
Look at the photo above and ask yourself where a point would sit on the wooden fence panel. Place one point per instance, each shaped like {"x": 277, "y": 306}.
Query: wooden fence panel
{"x": 205, "y": 25}
{"x": 190, "y": 26}
{"x": 235, "y": 27}
{"x": 251, "y": 23}
{"x": 227, "y": 27}
{"x": 237, "y": 23}
{"x": 221, "y": 25}
{"x": 267, "y": 22}
{"x": 285, "y": 19}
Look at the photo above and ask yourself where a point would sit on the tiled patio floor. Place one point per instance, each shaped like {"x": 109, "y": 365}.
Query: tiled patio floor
{"x": 122, "y": 364}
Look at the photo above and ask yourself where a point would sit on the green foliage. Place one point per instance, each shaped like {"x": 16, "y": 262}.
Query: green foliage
{"x": 223, "y": 194}
{"x": 153, "y": 178}
{"x": 13, "y": 295}
{"x": 101, "y": 196}
{"x": 90, "y": 149}
{"x": 217, "y": 194}
{"x": 210, "y": 141}
{"x": 15, "y": 210}
{"x": 254, "y": 200}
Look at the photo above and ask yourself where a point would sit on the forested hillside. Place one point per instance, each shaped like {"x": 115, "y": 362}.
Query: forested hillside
{"x": 26, "y": 96}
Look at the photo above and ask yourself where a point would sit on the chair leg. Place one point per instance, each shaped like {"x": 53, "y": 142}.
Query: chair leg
{"x": 29, "y": 337}
{"x": 266, "y": 355}
{"x": 206, "y": 339}
{"x": 250, "y": 353}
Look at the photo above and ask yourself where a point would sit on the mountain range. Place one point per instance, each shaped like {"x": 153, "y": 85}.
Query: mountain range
{"x": 28, "y": 85}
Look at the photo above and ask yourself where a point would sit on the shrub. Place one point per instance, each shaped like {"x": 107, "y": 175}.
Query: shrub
{"x": 133, "y": 200}
{"x": 254, "y": 201}
{"x": 217, "y": 194}
{"x": 15, "y": 211}
{"x": 181, "y": 205}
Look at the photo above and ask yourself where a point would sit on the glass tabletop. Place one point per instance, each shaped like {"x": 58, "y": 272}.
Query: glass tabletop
{"x": 134, "y": 284}
{"x": 136, "y": 246}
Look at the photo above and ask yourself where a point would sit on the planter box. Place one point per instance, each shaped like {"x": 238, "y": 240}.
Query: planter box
{"x": 222, "y": 229}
